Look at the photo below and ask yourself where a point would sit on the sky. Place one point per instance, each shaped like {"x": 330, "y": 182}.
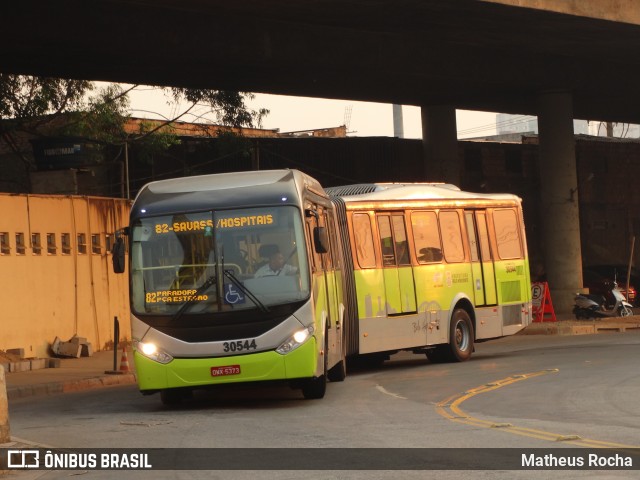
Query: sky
{"x": 291, "y": 114}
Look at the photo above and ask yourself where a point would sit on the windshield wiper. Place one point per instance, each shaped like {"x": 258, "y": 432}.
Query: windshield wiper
{"x": 230, "y": 275}
{"x": 207, "y": 283}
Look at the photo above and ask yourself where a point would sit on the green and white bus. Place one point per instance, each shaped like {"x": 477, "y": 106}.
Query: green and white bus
{"x": 362, "y": 270}
{"x": 434, "y": 269}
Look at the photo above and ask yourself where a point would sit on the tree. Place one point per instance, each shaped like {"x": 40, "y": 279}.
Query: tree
{"x": 229, "y": 107}
{"x": 50, "y": 107}
{"x": 23, "y": 97}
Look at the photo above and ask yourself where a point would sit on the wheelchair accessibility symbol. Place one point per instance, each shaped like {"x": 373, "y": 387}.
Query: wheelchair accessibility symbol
{"x": 232, "y": 295}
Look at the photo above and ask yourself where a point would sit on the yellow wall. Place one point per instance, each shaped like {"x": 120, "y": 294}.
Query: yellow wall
{"x": 56, "y": 294}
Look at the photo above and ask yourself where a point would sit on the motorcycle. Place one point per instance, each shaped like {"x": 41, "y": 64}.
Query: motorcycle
{"x": 596, "y": 306}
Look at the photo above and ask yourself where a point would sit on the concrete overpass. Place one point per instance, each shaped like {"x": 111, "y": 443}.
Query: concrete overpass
{"x": 474, "y": 54}
{"x": 558, "y": 59}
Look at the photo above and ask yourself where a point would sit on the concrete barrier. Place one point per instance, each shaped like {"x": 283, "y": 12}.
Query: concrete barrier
{"x": 567, "y": 326}
{"x": 5, "y": 434}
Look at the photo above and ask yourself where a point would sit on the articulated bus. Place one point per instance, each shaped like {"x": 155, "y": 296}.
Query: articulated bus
{"x": 266, "y": 276}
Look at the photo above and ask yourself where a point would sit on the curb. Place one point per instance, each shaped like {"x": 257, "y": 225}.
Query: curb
{"x": 574, "y": 327}
{"x": 67, "y": 386}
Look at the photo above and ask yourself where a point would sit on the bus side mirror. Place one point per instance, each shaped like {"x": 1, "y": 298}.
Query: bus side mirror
{"x": 118, "y": 255}
{"x": 321, "y": 239}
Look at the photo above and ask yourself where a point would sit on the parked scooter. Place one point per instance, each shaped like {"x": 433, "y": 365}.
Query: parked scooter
{"x": 595, "y": 306}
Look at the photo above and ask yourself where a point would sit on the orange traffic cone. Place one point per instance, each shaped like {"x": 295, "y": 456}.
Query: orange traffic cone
{"x": 124, "y": 362}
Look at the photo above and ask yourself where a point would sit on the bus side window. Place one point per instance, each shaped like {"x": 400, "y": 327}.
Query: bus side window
{"x": 426, "y": 237}
{"x": 400, "y": 236}
{"x": 483, "y": 236}
{"x": 327, "y": 258}
{"x": 333, "y": 238}
{"x": 386, "y": 241}
{"x": 472, "y": 236}
{"x": 451, "y": 236}
{"x": 507, "y": 234}
{"x": 313, "y": 256}
{"x": 363, "y": 240}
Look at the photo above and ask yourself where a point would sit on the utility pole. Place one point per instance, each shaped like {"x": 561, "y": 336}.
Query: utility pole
{"x": 126, "y": 168}
{"x": 609, "y": 129}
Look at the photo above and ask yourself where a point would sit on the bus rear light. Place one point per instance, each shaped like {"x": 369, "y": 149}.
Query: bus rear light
{"x": 150, "y": 350}
{"x": 297, "y": 339}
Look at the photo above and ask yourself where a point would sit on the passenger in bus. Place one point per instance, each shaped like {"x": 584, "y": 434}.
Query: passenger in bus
{"x": 276, "y": 266}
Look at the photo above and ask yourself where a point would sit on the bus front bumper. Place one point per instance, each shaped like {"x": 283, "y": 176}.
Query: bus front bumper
{"x": 201, "y": 372}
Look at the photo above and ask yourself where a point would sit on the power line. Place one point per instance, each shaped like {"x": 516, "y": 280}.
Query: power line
{"x": 516, "y": 120}
{"x": 308, "y": 167}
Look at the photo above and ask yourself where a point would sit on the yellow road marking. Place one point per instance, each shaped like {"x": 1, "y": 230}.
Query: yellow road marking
{"x": 450, "y": 409}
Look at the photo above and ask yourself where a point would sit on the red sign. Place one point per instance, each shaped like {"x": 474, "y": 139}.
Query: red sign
{"x": 541, "y": 303}
{"x": 226, "y": 370}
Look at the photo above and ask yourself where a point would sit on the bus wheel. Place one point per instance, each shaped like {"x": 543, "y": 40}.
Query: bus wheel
{"x": 439, "y": 354}
{"x": 461, "y": 336}
{"x": 316, "y": 387}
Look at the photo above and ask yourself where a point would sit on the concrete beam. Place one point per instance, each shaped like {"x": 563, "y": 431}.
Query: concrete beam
{"x": 626, "y": 11}
{"x": 477, "y": 55}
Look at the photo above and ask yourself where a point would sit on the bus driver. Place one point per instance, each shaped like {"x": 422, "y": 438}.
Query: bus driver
{"x": 276, "y": 266}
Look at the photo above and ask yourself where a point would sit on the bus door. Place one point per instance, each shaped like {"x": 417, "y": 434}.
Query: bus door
{"x": 331, "y": 261}
{"x": 399, "y": 285}
{"x": 323, "y": 272}
{"x": 482, "y": 267}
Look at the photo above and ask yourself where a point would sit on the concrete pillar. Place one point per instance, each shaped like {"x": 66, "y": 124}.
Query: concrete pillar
{"x": 398, "y": 123}
{"x": 5, "y": 435}
{"x": 440, "y": 144}
{"x": 559, "y": 199}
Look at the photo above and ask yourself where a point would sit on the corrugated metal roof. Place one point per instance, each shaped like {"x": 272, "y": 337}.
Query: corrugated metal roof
{"x": 408, "y": 191}
{"x": 356, "y": 189}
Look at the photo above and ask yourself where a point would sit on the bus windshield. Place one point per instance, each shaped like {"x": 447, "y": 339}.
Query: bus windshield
{"x": 218, "y": 261}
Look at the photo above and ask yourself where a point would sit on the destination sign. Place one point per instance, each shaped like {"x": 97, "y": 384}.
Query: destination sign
{"x": 244, "y": 221}
{"x": 191, "y": 226}
{"x": 237, "y": 221}
{"x": 174, "y": 296}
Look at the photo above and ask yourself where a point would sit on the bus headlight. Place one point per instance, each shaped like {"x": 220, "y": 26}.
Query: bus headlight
{"x": 295, "y": 340}
{"x": 150, "y": 350}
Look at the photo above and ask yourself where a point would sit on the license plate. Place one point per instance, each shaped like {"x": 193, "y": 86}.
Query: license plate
{"x": 226, "y": 370}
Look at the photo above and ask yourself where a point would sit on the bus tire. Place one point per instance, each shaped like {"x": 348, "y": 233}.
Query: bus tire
{"x": 460, "y": 336}
{"x": 439, "y": 354}
{"x": 316, "y": 387}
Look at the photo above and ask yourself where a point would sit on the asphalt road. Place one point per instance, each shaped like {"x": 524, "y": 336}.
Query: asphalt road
{"x": 527, "y": 392}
